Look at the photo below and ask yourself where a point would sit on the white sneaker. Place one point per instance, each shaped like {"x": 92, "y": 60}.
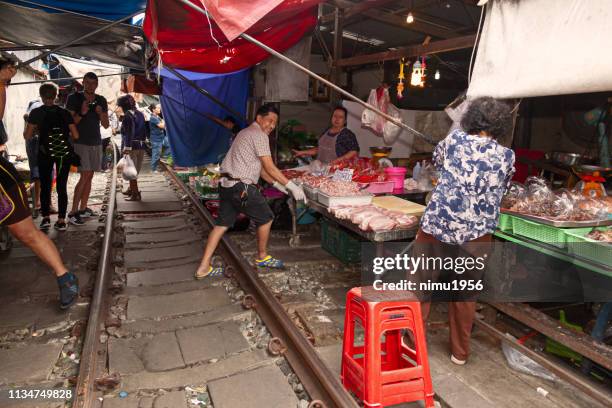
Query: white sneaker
{"x": 455, "y": 360}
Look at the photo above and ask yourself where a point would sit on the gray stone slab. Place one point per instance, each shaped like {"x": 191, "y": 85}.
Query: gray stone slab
{"x": 148, "y": 206}
{"x": 263, "y": 387}
{"x": 177, "y": 304}
{"x": 215, "y": 341}
{"x": 169, "y": 263}
{"x": 162, "y": 276}
{"x": 332, "y": 356}
{"x": 122, "y": 358}
{"x": 131, "y": 401}
{"x": 135, "y": 257}
{"x": 162, "y": 353}
{"x": 38, "y": 315}
{"x": 30, "y": 363}
{"x": 155, "y": 223}
{"x": 159, "y": 237}
{"x": 155, "y": 197}
{"x": 175, "y": 399}
{"x": 198, "y": 374}
{"x": 170, "y": 288}
{"x": 219, "y": 314}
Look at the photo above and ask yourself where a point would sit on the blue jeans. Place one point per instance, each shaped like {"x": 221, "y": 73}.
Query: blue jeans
{"x": 157, "y": 145}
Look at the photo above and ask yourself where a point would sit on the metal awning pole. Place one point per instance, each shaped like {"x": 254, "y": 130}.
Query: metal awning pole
{"x": 321, "y": 79}
{"x": 76, "y": 40}
{"x": 65, "y": 79}
{"x": 63, "y": 10}
{"x": 204, "y": 92}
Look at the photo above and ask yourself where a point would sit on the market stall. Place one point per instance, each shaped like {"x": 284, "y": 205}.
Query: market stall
{"x": 358, "y": 196}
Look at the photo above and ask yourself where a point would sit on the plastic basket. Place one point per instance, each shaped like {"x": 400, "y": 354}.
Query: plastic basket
{"x": 539, "y": 232}
{"x": 578, "y": 244}
{"x": 380, "y": 187}
{"x": 340, "y": 243}
{"x": 505, "y": 222}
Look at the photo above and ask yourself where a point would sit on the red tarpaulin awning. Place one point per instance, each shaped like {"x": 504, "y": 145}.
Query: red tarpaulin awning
{"x": 185, "y": 40}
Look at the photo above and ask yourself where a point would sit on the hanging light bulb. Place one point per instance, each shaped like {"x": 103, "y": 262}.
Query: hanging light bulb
{"x": 410, "y": 18}
{"x": 437, "y": 74}
{"x": 416, "y": 78}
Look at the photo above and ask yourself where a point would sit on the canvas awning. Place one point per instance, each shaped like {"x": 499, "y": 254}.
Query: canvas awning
{"x": 25, "y": 25}
{"x": 544, "y": 47}
{"x": 186, "y": 40}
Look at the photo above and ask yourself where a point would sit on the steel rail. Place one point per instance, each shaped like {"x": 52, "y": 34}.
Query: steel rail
{"x": 319, "y": 381}
{"x": 564, "y": 373}
{"x": 92, "y": 353}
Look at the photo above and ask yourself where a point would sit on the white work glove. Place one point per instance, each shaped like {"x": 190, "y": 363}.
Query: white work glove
{"x": 280, "y": 187}
{"x": 296, "y": 191}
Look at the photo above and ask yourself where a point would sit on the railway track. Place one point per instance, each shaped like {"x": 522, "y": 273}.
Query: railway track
{"x": 317, "y": 384}
{"x": 156, "y": 337}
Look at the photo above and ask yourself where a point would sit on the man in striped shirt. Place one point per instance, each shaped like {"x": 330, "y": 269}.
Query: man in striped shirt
{"x": 248, "y": 159}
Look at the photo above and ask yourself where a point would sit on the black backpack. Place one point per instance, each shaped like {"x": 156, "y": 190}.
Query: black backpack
{"x": 57, "y": 144}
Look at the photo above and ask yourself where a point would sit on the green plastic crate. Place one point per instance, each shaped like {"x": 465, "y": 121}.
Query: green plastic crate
{"x": 559, "y": 349}
{"x": 340, "y": 243}
{"x": 578, "y": 244}
{"x": 505, "y": 222}
{"x": 539, "y": 232}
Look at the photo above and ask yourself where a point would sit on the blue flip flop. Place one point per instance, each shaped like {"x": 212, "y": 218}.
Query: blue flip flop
{"x": 269, "y": 262}
{"x": 212, "y": 272}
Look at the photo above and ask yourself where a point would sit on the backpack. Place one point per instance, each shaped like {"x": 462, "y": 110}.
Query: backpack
{"x": 57, "y": 144}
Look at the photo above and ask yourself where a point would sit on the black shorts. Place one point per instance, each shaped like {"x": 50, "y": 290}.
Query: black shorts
{"x": 231, "y": 204}
{"x": 19, "y": 209}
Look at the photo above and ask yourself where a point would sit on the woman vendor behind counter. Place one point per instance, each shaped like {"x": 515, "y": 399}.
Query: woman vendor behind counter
{"x": 337, "y": 143}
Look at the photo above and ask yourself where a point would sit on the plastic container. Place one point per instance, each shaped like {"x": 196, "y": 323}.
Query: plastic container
{"x": 540, "y": 232}
{"x": 397, "y": 175}
{"x": 340, "y": 243}
{"x": 578, "y": 244}
{"x": 330, "y": 201}
{"x": 505, "y": 222}
{"x": 380, "y": 187}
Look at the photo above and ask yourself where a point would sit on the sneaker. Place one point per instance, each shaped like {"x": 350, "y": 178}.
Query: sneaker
{"x": 455, "y": 360}
{"x": 69, "y": 289}
{"x": 45, "y": 224}
{"x": 87, "y": 212}
{"x": 75, "y": 219}
{"x": 60, "y": 226}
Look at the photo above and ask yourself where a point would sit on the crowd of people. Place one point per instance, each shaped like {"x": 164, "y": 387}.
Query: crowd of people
{"x": 58, "y": 139}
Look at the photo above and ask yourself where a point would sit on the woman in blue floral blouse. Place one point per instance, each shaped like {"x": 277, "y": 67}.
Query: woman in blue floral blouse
{"x": 475, "y": 171}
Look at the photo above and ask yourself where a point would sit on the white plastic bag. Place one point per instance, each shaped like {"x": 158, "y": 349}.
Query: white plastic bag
{"x": 129, "y": 169}
{"x": 391, "y": 131}
{"x": 371, "y": 119}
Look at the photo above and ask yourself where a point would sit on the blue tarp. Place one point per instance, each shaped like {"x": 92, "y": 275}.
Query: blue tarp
{"x": 194, "y": 139}
{"x": 106, "y": 9}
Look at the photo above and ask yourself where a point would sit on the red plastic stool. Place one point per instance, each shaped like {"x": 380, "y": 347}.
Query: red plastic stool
{"x": 389, "y": 372}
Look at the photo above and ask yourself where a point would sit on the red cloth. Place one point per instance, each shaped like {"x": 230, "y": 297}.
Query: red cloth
{"x": 522, "y": 169}
{"x": 184, "y": 40}
{"x": 234, "y": 17}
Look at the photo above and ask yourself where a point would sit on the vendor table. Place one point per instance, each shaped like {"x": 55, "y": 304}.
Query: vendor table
{"x": 379, "y": 238}
{"x": 556, "y": 252}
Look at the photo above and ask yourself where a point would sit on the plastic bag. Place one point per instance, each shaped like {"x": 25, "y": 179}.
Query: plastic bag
{"x": 129, "y": 169}
{"x": 379, "y": 98}
{"x": 426, "y": 177}
{"x": 520, "y": 362}
{"x": 391, "y": 131}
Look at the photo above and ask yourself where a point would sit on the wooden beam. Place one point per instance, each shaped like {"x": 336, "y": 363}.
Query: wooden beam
{"x": 411, "y": 51}
{"x": 579, "y": 342}
{"x": 416, "y": 25}
{"x": 364, "y": 6}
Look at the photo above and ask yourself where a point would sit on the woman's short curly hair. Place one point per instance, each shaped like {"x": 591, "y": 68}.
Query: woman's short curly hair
{"x": 488, "y": 115}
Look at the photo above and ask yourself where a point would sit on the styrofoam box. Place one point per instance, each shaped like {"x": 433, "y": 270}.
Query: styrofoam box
{"x": 330, "y": 201}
